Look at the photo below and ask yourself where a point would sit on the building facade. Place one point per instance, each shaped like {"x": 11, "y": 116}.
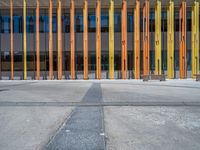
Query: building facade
{"x": 98, "y": 39}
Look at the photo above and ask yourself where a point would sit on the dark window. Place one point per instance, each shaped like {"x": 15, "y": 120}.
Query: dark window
{"x": 189, "y": 21}
{"x": 66, "y": 23}
{"x": 54, "y": 23}
{"x": 5, "y": 61}
{"x": 17, "y": 24}
{"x": 44, "y": 24}
{"x": 117, "y": 21}
{"x": 5, "y": 24}
{"x": 130, "y": 22}
{"x": 141, "y": 22}
{"x": 176, "y": 15}
{"x": 104, "y": 60}
{"x": 30, "y": 24}
{"x": 164, "y": 21}
{"x": 79, "y": 22}
{"x": 152, "y": 21}
{"x": 104, "y": 21}
{"x": 91, "y": 22}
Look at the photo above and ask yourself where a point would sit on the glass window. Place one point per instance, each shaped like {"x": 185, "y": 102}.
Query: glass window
{"x": 104, "y": 60}
{"x": 152, "y": 21}
{"x": 79, "y": 21}
{"x": 79, "y": 61}
{"x": 164, "y": 60}
{"x": 152, "y": 60}
{"x": 54, "y": 23}
{"x": 176, "y": 58}
{"x": 91, "y": 22}
{"x": 31, "y": 61}
{"x": 66, "y": 23}
{"x": 176, "y": 20}
{"x": 141, "y": 22}
{"x": 5, "y": 24}
{"x": 104, "y": 21}
{"x": 92, "y": 61}
{"x": 189, "y": 21}
{"x": 130, "y": 21}
{"x": 18, "y": 59}
{"x": 117, "y": 20}
{"x": 30, "y": 24}
{"x": 17, "y": 24}
{"x": 5, "y": 61}
{"x": 164, "y": 21}
{"x": 44, "y": 24}
{"x": 189, "y": 60}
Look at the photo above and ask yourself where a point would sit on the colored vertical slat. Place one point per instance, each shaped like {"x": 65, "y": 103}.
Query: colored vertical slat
{"x": 124, "y": 40}
{"x": 146, "y": 38}
{"x": 50, "y": 42}
{"x": 11, "y": 40}
{"x": 182, "y": 38}
{"x": 24, "y": 40}
{"x": 111, "y": 40}
{"x": 158, "y": 61}
{"x": 85, "y": 39}
{"x": 170, "y": 40}
{"x": 98, "y": 39}
{"x": 59, "y": 40}
{"x": 137, "y": 40}
{"x": 72, "y": 41}
{"x": 195, "y": 39}
{"x": 37, "y": 39}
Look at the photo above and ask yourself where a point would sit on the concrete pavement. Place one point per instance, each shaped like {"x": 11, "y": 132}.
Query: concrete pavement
{"x": 114, "y": 115}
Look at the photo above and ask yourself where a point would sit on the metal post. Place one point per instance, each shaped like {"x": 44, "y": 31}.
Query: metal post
{"x": 137, "y": 40}
{"x": 195, "y": 38}
{"x": 38, "y": 39}
{"x": 59, "y": 40}
{"x": 98, "y": 39}
{"x": 24, "y": 42}
{"x": 85, "y": 39}
{"x": 182, "y": 54}
{"x": 72, "y": 41}
{"x": 158, "y": 62}
{"x": 11, "y": 40}
{"x": 170, "y": 40}
{"x": 124, "y": 39}
{"x": 50, "y": 42}
{"x": 146, "y": 38}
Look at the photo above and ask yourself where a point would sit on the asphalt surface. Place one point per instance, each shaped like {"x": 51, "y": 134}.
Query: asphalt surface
{"x": 112, "y": 115}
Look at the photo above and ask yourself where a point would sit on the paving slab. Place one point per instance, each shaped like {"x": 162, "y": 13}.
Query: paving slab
{"x": 152, "y": 128}
{"x": 29, "y": 128}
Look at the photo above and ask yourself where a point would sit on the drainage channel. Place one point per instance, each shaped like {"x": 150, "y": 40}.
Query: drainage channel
{"x": 84, "y": 129}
